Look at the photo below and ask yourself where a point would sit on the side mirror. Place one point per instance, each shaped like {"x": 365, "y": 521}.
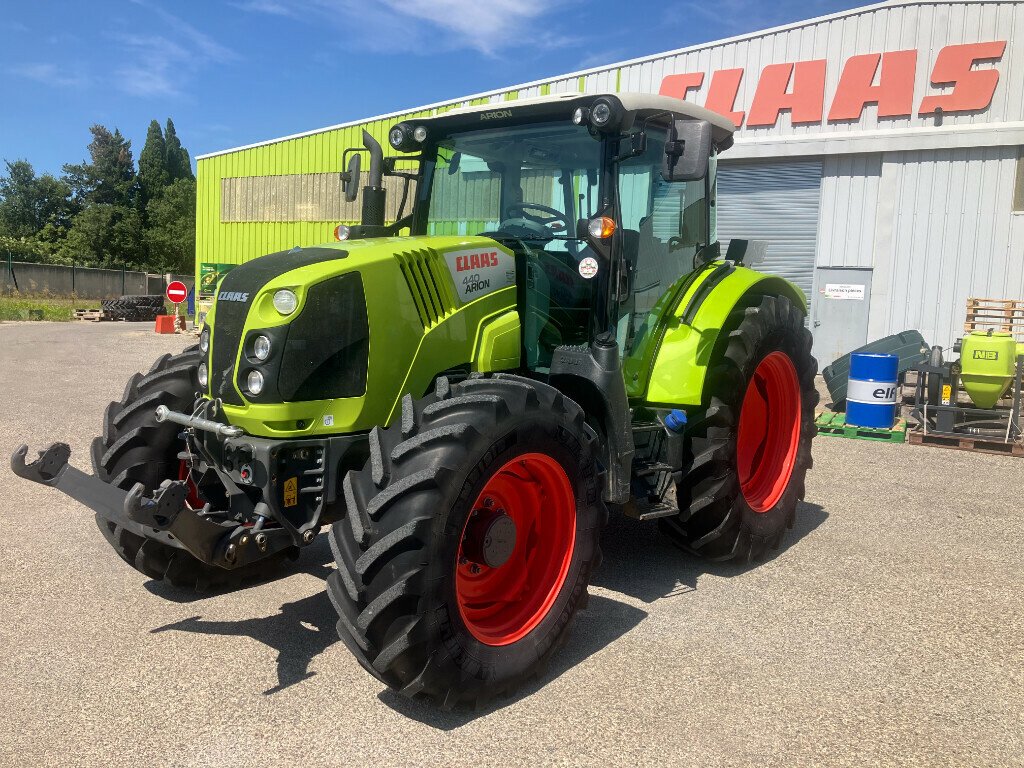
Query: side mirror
{"x": 350, "y": 178}
{"x": 453, "y": 164}
{"x": 687, "y": 151}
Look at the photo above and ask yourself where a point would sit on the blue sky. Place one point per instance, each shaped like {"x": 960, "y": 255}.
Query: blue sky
{"x": 231, "y": 72}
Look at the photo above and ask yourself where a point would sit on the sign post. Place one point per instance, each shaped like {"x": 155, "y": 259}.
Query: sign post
{"x": 177, "y": 292}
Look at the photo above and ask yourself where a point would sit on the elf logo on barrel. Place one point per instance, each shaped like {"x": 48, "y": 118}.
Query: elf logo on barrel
{"x": 177, "y": 292}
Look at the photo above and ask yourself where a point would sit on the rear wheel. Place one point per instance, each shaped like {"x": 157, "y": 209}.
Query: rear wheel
{"x": 135, "y": 448}
{"x": 469, "y": 539}
{"x": 750, "y": 449}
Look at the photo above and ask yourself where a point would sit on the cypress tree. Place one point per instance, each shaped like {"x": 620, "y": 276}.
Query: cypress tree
{"x": 153, "y": 173}
{"x": 179, "y": 164}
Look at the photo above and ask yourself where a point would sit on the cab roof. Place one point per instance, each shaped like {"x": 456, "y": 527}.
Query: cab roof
{"x": 634, "y": 105}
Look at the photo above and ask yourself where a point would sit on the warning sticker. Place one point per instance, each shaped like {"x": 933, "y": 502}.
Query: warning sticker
{"x": 291, "y": 491}
{"x": 588, "y": 267}
{"x": 480, "y": 271}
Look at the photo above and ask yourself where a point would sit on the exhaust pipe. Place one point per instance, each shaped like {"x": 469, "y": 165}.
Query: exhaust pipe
{"x": 373, "y": 193}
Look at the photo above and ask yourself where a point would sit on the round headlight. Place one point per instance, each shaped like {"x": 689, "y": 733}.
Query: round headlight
{"x": 420, "y": 134}
{"x": 601, "y": 113}
{"x": 261, "y": 347}
{"x": 203, "y": 375}
{"x": 285, "y": 301}
{"x": 204, "y": 341}
{"x": 396, "y": 137}
{"x": 254, "y": 382}
{"x": 342, "y": 232}
{"x": 578, "y": 116}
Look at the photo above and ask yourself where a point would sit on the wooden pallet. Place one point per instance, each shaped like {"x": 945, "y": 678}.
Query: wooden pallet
{"x": 1005, "y": 315}
{"x": 974, "y": 444}
{"x": 834, "y": 424}
{"x": 91, "y": 315}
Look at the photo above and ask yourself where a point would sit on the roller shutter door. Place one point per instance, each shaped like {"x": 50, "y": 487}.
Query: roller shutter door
{"x": 777, "y": 202}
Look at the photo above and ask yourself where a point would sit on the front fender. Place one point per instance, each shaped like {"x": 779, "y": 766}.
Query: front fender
{"x": 691, "y": 330}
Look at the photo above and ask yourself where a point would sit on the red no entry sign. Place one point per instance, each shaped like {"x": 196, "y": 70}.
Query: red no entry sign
{"x": 177, "y": 292}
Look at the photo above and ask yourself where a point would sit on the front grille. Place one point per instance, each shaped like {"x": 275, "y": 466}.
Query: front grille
{"x": 328, "y": 344}
{"x": 426, "y": 275}
{"x": 227, "y": 333}
{"x": 246, "y": 281}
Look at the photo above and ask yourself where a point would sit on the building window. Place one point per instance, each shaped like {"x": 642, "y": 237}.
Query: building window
{"x": 1018, "y": 190}
{"x": 300, "y": 197}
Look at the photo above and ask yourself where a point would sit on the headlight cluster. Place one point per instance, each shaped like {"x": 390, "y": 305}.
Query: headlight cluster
{"x": 258, "y": 351}
{"x": 203, "y": 374}
{"x": 603, "y": 114}
{"x": 407, "y": 138}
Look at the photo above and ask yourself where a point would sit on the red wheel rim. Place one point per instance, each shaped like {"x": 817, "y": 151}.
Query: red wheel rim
{"x": 769, "y": 432}
{"x": 500, "y": 605}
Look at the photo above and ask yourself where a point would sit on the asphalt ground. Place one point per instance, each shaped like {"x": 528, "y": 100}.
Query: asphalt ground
{"x": 887, "y": 631}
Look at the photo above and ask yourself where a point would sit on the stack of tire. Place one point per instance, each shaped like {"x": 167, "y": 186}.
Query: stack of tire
{"x": 135, "y": 308}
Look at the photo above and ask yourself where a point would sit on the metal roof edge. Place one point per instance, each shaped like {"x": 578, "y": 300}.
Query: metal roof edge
{"x": 603, "y": 68}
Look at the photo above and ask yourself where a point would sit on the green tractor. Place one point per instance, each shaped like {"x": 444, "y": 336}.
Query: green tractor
{"x": 557, "y": 335}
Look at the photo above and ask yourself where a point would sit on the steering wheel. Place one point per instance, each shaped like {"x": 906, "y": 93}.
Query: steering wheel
{"x": 535, "y": 224}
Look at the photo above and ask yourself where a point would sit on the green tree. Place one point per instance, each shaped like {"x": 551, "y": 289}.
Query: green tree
{"x": 34, "y": 207}
{"x": 179, "y": 164}
{"x": 106, "y": 235}
{"x": 153, "y": 174}
{"x": 109, "y": 177}
{"x": 171, "y": 235}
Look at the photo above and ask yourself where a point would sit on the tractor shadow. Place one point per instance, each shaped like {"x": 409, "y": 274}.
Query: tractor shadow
{"x": 641, "y": 563}
{"x": 638, "y": 563}
{"x": 299, "y": 632}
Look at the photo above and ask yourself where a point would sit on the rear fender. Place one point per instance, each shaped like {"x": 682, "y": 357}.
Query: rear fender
{"x": 693, "y": 328}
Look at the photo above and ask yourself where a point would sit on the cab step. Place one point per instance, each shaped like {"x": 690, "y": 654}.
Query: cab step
{"x": 650, "y": 510}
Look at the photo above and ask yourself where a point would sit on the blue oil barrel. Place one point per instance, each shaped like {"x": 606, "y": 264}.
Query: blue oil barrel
{"x": 871, "y": 396}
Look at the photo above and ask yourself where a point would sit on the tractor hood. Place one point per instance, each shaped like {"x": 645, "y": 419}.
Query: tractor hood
{"x": 337, "y": 317}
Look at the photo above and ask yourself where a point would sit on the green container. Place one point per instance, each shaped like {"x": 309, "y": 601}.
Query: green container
{"x": 987, "y": 364}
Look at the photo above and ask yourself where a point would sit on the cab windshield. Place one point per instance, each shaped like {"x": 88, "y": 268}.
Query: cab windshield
{"x": 531, "y": 182}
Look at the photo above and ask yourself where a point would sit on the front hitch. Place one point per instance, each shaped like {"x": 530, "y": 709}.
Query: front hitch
{"x": 165, "y": 512}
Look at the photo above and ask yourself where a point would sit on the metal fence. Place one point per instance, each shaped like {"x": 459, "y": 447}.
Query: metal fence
{"x": 83, "y": 282}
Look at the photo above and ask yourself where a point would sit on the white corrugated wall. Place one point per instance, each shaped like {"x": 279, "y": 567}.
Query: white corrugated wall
{"x": 945, "y": 231}
{"x": 849, "y": 206}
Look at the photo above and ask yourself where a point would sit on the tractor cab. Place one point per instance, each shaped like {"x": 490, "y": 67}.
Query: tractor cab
{"x": 605, "y": 202}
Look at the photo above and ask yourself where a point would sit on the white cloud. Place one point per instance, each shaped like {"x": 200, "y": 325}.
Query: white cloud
{"x": 159, "y": 65}
{"x": 414, "y": 26}
{"x": 49, "y": 74}
{"x": 269, "y": 7}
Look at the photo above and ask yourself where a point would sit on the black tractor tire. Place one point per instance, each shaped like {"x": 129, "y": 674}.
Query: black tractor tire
{"x": 134, "y": 308}
{"x": 409, "y": 512}
{"x": 725, "y": 511}
{"x": 135, "y": 448}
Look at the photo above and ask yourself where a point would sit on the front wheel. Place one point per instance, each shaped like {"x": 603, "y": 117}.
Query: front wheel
{"x": 750, "y": 449}
{"x": 468, "y": 540}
